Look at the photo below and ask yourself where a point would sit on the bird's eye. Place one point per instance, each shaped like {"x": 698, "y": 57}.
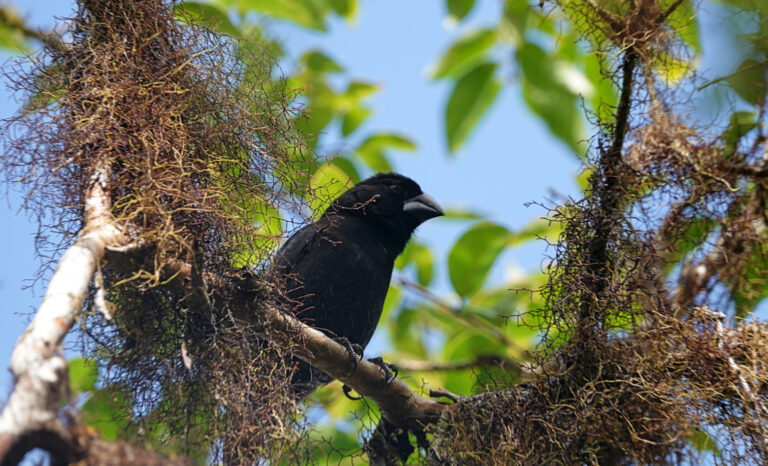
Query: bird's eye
{"x": 396, "y": 188}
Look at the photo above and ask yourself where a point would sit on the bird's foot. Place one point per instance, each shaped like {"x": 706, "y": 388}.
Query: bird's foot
{"x": 347, "y": 390}
{"x": 355, "y": 351}
{"x": 390, "y": 370}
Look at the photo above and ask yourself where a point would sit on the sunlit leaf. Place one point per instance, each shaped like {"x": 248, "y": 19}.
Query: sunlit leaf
{"x": 359, "y": 89}
{"x": 672, "y": 69}
{"x": 344, "y": 8}
{"x": 458, "y": 9}
{"x": 391, "y": 302}
{"x": 470, "y": 99}
{"x": 606, "y": 97}
{"x": 328, "y": 182}
{"x": 83, "y": 374}
{"x": 319, "y": 62}
{"x": 465, "y": 53}
{"x": 302, "y": 12}
{"x": 683, "y": 22}
{"x": 388, "y": 141}
{"x": 206, "y": 13}
{"x": 425, "y": 264}
{"x": 461, "y": 214}
{"x": 472, "y": 256}
{"x": 539, "y": 228}
{"x": 702, "y": 441}
{"x": 106, "y": 411}
{"x": 11, "y": 35}
{"x": 421, "y": 257}
{"x": 348, "y": 167}
{"x": 548, "y": 96}
{"x": 375, "y": 159}
{"x": 514, "y": 20}
{"x": 353, "y": 119}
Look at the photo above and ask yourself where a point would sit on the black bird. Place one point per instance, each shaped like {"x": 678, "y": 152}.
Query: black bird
{"x": 337, "y": 270}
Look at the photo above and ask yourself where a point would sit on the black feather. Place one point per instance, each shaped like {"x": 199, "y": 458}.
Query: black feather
{"x": 337, "y": 270}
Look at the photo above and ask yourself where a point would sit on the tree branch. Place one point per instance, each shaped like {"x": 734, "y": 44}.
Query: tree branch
{"x": 397, "y": 402}
{"x": 37, "y": 364}
{"x": 13, "y": 21}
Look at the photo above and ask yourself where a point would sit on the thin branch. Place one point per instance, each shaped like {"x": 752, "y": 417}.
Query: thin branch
{"x": 483, "y": 360}
{"x": 456, "y": 313}
{"x": 397, "y": 402}
{"x": 13, "y": 21}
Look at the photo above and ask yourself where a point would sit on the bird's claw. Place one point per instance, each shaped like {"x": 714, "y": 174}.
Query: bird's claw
{"x": 355, "y": 351}
{"x": 347, "y": 390}
{"x": 390, "y": 370}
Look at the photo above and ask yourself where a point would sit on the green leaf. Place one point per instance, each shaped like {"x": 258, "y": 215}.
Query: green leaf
{"x": 421, "y": 257}
{"x": 327, "y": 183}
{"x": 302, "y": 12}
{"x": 461, "y": 214}
{"x": 514, "y": 21}
{"x": 107, "y": 411}
{"x": 471, "y": 258}
{"x": 606, "y": 97}
{"x": 375, "y": 159}
{"x": 11, "y": 35}
{"x": 459, "y": 9}
{"x": 83, "y": 374}
{"x": 358, "y": 89}
{"x": 702, "y": 441}
{"x": 683, "y": 22}
{"x": 314, "y": 120}
{"x": 405, "y": 331}
{"x": 582, "y": 179}
{"x": 344, "y": 8}
{"x": 539, "y": 228}
{"x": 50, "y": 89}
{"x": 348, "y": 167}
{"x": 749, "y": 80}
{"x": 319, "y": 62}
{"x": 750, "y": 287}
{"x": 388, "y": 140}
{"x": 371, "y": 151}
{"x": 465, "y": 53}
{"x": 425, "y": 264}
{"x": 740, "y": 124}
{"x": 470, "y": 100}
{"x": 549, "y": 93}
{"x": 392, "y": 302}
{"x": 206, "y": 13}
{"x": 672, "y": 69}
{"x": 353, "y": 119}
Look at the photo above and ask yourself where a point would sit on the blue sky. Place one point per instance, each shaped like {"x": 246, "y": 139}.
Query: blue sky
{"x": 510, "y": 160}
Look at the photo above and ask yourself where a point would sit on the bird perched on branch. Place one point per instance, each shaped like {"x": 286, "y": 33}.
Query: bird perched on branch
{"x": 337, "y": 269}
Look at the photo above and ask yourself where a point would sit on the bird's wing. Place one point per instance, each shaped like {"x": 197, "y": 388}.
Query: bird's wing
{"x": 296, "y": 247}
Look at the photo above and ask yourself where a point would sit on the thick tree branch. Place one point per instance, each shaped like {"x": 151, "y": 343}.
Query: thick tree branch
{"x": 37, "y": 364}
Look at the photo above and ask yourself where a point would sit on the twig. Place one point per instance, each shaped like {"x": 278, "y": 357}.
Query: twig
{"x": 483, "y": 360}
{"x": 758, "y": 406}
{"x": 456, "y": 313}
{"x": 13, "y": 21}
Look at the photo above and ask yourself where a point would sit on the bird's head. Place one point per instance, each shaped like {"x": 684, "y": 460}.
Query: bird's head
{"x": 391, "y": 199}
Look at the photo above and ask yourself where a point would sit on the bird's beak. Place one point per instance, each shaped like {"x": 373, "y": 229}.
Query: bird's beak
{"x": 423, "y": 207}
